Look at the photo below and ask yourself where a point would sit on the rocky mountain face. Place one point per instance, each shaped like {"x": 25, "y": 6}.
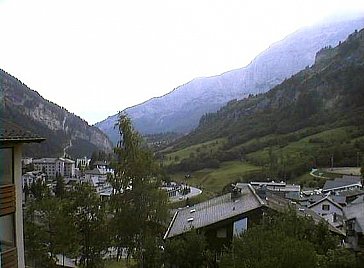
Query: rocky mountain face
{"x": 181, "y": 109}
{"x": 64, "y": 131}
{"x": 327, "y": 95}
{"x": 308, "y": 120}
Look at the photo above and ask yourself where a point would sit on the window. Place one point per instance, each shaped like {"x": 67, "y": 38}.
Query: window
{"x": 325, "y": 207}
{"x": 6, "y": 167}
{"x": 240, "y": 226}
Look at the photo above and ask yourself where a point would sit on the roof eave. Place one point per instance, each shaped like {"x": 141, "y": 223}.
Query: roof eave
{"x": 21, "y": 140}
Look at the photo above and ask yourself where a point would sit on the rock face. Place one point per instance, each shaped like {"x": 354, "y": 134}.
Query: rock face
{"x": 326, "y": 96}
{"x": 181, "y": 109}
{"x": 61, "y": 128}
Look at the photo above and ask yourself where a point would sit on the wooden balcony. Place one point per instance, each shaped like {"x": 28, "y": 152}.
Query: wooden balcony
{"x": 7, "y": 199}
{"x": 9, "y": 258}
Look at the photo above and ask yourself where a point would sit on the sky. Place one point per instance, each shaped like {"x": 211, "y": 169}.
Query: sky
{"x": 96, "y": 58}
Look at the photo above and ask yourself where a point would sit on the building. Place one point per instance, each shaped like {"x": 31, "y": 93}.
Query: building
{"x": 342, "y": 184}
{"x": 11, "y": 215}
{"x": 330, "y": 210}
{"x": 31, "y": 177}
{"x": 220, "y": 218}
{"x": 104, "y": 166}
{"x": 354, "y": 224}
{"x": 82, "y": 162}
{"x": 26, "y": 161}
{"x": 290, "y": 191}
{"x": 53, "y": 166}
{"x": 98, "y": 179}
{"x": 277, "y": 203}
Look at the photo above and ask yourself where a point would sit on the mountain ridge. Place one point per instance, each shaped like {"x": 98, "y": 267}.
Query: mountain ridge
{"x": 180, "y": 109}
{"x": 65, "y": 132}
{"x": 306, "y": 121}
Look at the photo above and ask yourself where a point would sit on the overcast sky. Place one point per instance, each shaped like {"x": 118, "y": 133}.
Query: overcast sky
{"x": 96, "y": 58}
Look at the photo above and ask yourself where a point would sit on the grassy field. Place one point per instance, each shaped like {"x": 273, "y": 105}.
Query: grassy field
{"x": 206, "y": 147}
{"x": 306, "y": 180}
{"x": 344, "y": 171}
{"x": 289, "y": 154}
{"x": 302, "y": 149}
{"x": 115, "y": 264}
{"x": 120, "y": 264}
{"x": 214, "y": 180}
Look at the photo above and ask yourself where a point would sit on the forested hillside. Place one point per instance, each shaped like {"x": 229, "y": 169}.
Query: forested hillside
{"x": 180, "y": 110}
{"x": 316, "y": 115}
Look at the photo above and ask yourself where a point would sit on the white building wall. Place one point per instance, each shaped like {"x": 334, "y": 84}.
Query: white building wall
{"x": 332, "y": 208}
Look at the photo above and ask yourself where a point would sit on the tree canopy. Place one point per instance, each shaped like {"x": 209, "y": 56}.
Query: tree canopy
{"x": 139, "y": 206}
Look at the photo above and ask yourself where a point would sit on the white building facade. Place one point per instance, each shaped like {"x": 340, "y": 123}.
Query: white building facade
{"x": 53, "y": 166}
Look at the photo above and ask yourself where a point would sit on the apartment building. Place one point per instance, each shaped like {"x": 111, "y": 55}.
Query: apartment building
{"x": 53, "y": 166}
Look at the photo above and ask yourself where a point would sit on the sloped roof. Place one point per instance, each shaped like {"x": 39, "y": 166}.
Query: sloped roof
{"x": 52, "y": 160}
{"x": 95, "y": 171}
{"x": 352, "y": 192}
{"x": 66, "y": 160}
{"x": 358, "y": 200}
{"x": 279, "y": 203}
{"x": 101, "y": 163}
{"x": 338, "y": 199}
{"x": 10, "y": 132}
{"x": 44, "y": 160}
{"x": 323, "y": 199}
{"x": 341, "y": 182}
{"x": 214, "y": 210}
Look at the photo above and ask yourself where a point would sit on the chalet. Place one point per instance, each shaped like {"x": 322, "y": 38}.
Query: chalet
{"x": 220, "y": 218}
{"x": 330, "y": 210}
{"x": 11, "y": 215}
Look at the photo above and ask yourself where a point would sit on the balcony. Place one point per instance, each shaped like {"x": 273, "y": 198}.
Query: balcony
{"x": 9, "y": 258}
{"x": 7, "y": 199}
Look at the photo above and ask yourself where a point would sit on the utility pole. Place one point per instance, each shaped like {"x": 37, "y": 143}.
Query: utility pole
{"x": 332, "y": 162}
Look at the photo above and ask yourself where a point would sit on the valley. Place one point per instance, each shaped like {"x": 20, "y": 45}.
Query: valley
{"x": 311, "y": 120}
{"x": 266, "y": 159}
{"x": 181, "y": 109}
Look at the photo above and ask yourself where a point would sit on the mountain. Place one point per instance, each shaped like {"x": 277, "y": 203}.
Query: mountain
{"x": 313, "y": 117}
{"x": 181, "y": 109}
{"x": 64, "y": 131}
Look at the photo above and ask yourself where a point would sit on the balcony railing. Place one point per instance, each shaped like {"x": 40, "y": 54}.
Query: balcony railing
{"x": 9, "y": 258}
{"x": 7, "y": 199}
